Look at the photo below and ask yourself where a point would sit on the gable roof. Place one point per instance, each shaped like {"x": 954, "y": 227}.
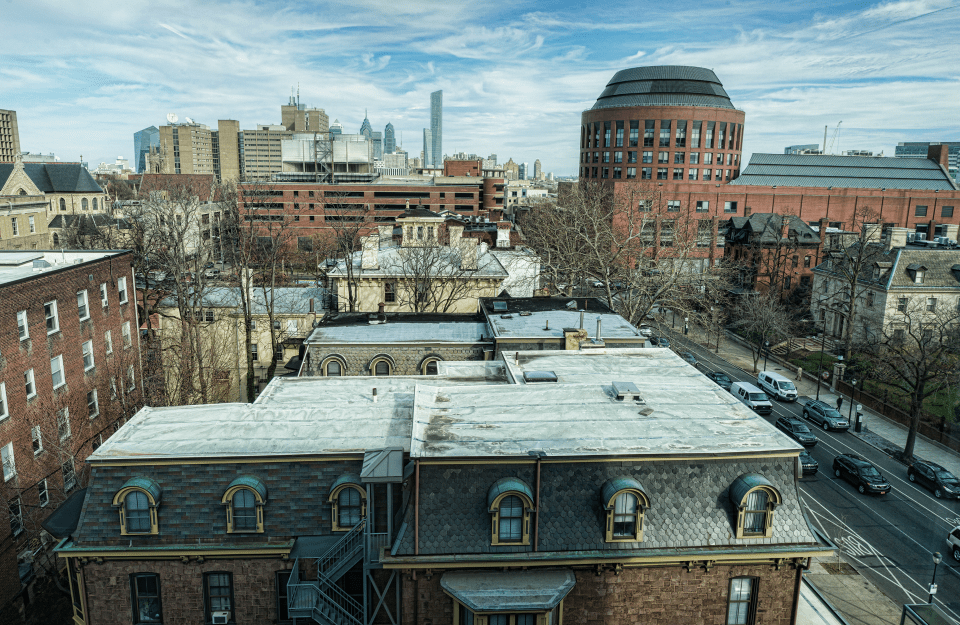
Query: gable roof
{"x": 55, "y": 177}
{"x": 857, "y": 172}
{"x": 770, "y": 228}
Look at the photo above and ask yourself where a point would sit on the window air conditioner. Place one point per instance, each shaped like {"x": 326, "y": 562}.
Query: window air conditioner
{"x": 221, "y": 618}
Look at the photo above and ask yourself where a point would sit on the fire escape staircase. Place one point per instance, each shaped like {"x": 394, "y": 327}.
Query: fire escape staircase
{"x": 321, "y": 599}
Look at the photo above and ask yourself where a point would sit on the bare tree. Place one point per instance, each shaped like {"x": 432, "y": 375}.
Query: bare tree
{"x": 916, "y": 353}
{"x": 348, "y": 223}
{"x": 761, "y": 318}
{"x": 432, "y": 277}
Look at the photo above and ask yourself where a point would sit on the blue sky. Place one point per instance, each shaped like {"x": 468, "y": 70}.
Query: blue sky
{"x": 84, "y": 76}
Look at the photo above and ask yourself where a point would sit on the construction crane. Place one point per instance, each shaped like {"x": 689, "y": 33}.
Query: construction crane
{"x": 826, "y": 149}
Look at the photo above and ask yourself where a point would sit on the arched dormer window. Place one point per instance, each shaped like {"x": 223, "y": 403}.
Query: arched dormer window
{"x": 624, "y": 503}
{"x": 755, "y": 499}
{"x": 333, "y": 366}
{"x": 510, "y": 502}
{"x": 381, "y": 365}
{"x": 428, "y": 366}
{"x": 348, "y": 500}
{"x": 137, "y": 502}
{"x": 63, "y": 204}
{"x": 244, "y": 500}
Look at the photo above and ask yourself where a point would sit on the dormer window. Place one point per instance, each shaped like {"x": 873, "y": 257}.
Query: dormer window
{"x": 755, "y": 499}
{"x": 624, "y": 503}
{"x": 244, "y": 500}
{"x": 348, "y": 501}
{"x": 916, "y": 271}
{"x": 510, "y": 502}
{"x": 137, "y": 503}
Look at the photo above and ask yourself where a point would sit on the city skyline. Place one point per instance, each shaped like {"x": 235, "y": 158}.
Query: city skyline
{"x": 509, "y": 73}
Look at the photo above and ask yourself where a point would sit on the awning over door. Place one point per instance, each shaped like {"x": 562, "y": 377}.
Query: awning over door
{"x": 509, "y": 591}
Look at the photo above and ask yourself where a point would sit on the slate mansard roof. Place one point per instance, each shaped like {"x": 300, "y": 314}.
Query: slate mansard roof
{"x": 852, "y": 172}
{"x": 664, "y": 85}
{"x": 941, "y": 268}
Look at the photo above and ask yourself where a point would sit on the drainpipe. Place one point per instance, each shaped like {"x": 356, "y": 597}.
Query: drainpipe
{"x": 796, "y": 590}
{"x": 536, "y": 506}
{"x": 416, "y": 507}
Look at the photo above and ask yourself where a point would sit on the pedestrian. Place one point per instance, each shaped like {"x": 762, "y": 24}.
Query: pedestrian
{"x": 799, "y": 373}
{"x": 839, "y": 402}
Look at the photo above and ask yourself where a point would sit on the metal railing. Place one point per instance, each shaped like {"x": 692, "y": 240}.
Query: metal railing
{"x": 348, "y": 544}
{"x": 376, "y": 542}
{"x": 345, "y": 605}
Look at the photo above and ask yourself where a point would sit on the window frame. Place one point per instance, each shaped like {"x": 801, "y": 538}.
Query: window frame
{"x": 63, "y": 423}
{"x": 63, "y": 375}
{"x": 23, "y": 325}
{"x": 227, "y": 502}
{"x": 16, "y": 528}
{"x": 527, "y": 509}
{"x": 30, "y": 383}
{"x": 50, "y": 312}
{"x": 339, "y": 360}
{"x": 750, "y": 603}
{"x": 773, "y": 500}
{"x": 119, "y": 502}
{"x": 108, "y": 342}
{"x": 334, "y": 501}
{"x": 70, "y": 484}
{"x": 4, "y": 405}
{"x": 83, "y": 305}
{"x": 122, "y": 290}
{"x": 36, "y": 440}
{"x": 86, "y": 350}
{"x": 135, "y": 597}
{"x": 104, "y": 296}
{"x": 126, "y": 335}
{"x": 611, "y": 514}
{"x": 43, "y": 493}
{"x": 207, "y": 597}
{"x": 96, "y": 404}
{"x": 11, "y": 462}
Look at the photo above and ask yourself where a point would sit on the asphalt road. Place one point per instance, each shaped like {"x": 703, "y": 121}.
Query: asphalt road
{"x": 889, "y": 538}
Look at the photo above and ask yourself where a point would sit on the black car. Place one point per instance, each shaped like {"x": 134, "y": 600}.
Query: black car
{"x": 808, "y": 465}
{"x": 721, "y": 378}
{"x": 936, "y": 478}
{"x": 861, "y": 474}
{"x": 659, "y": 341}
{"x": 797, "y": 430}
{"x": 690, "y": 358}
{"x": 825, "y": 415}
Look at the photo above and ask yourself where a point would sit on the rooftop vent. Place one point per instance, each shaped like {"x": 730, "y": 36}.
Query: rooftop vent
{"x": 626, "y": 390}
{"x": 525, "y": 314}
{"x": 506, "y": 316}
{"x": 499, "y": 306}
{"x": 531, "y": 377}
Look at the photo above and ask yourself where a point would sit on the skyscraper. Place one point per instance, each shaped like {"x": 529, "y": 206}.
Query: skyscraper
{"x": 365, "y": 128}
{"x": 389, "y": 140}
{"x": 523, "y": 172}
{"x": 336, "y": 128}
{"x": 376, "y": 138}
{"x": 537, "y": 172}
{"x": 427, "y": 148}
{"x": 436, "y": 128}
{"x": 142, "y": 142}
{"x": 9, "y": 136}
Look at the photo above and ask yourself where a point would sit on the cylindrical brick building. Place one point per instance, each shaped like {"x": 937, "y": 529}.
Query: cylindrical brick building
{"x": 667, "y": 123}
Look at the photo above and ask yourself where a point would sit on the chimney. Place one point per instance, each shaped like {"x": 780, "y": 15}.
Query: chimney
{"x": 468, "y": 254}
{"x": 939, "y": 154}
{"x": 897, "y": 238}
{"x": 871, "y": 233}
{"x": 572, "y": 338}
{"x": 368, "y": 257}
{"x": 503, "y": 233}
{"x": 385, "y": 233}
{"x": 951, "y": 231}
{"x": 456, "y": 233}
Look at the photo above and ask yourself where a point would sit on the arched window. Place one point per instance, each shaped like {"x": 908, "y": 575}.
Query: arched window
{"x": 94, "y": 203}
{"x": 428, "y": 366}
{"x": 382, "y": 364}
{"x": 22, "y": 192}
{"x": 348, "y": 501}
{"x": 63, "y": 204}
{"x": 244, "y": 500}
{"x": 333, "y": 366}
{"x": 56, "y": 240}
{"x": 334, "y": 369}
{"x": 755, "y": 499}
{"x": 381, "y": 367}
{"x": 137, "y": 502}
{"x": 624, "y": 502}
{"x": 84, "y": 204}
{"x": 510, "y": 502}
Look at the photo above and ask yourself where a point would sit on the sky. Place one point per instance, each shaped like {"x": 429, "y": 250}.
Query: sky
{"x": 84, "y": 76}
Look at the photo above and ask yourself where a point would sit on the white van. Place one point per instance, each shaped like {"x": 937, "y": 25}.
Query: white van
{"x": 753, "y": 397}
{"x": 777, "y": 385}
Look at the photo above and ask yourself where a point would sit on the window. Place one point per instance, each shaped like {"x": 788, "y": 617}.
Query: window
{"x": 643, "y": 206}
{"x": 619, "y": 140}
{"x": 8, "y": 462}
{"x": 920, "y": 211}
{"x": 82, "y": 307}
{"x": 946, "y": 211}
{"x": 218, "y": 594}
{"x": 122, "y": 289}
{"x": 806, "y": 262}
{"x": 606, "y": 134}
{"x": 631, "y": 173}
{"x": 63, "y": 204}
{"x": 349, "y": 506}
{"x": 664, "y": 133}
{"x": 13, "y": 226}
{"x": 706, "y": 174}
{"x": 69, "y": 474}
{"x": 53, "y": 321}
{"x": 108, "y": 342}
{"x": 618, "y": 157}
{"x": 755, "y": 499}
{"x": 617, "y": 171}
{"x": 918, "y": 276}
{"x": 84, "y": 204}
{"x": 673, "y": 206}
{"x": 16, "y": 516}
{"x": 43, "y": 493}
{"x": 729, "y": 207}
{"x": 333, "y": 367}
{"x": 381, "y": 367}
{"x": 631, "y": 157}
{"x": 634, "y": 132}
{"x": 604, "y": 172}
{"x": 647, "y": 157}
{"x": 253, "y": 351}
{"x": 22, "y": 326}
{"x": 4, "y": 408}
{"x": 145, "y": 598}
{"x": 429, "y": 366}
{"x": 677, "y": 173}
{"x": 787, "y": 281}
{"x": 137, "y": 504}
{"x": 708, "y": 158}
{"x": 63, "y": 423}
{"x": 678, "y": 158}
{"x": 104, "y": 301}
{"x": 37, "y": 437}
{"x": 33, "y": 225}
{"x": 902, "y": 304}
{"x": 931, "y": 304}
{"x": 131, "y": 379}
{"x": 93, "y": 406}
{"x": 283, "y": 577}
{"x": 56, "y": 372}
{"x": 703, "y": 206}
{"x": 510, "y": 503}
{"x": 87, "y": 349}
{"x": 29, "y": 384}
{"x": 661, "y": 173}
{"x": 646, "y": 173}
{"x": 510, "y": 527}
{"x": 741, "y": 602}
{"x": 693, "y": 173}
{"x": 870, "y": 299}
{"x": 663, "y": 157}
{"x": 125, "y": 334}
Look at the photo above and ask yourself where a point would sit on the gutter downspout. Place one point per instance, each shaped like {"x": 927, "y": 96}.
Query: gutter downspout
{"x": 416, "y": 507}
{"x": 796, "y": 590}
{"x": 536, "y": 508}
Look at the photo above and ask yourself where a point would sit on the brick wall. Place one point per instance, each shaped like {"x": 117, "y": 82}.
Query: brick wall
{"x": 16, "y": 357}
{"x": 181, "y": 589}
{"x": 406, "y": 358}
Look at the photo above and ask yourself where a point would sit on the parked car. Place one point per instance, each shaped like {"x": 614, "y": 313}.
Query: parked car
{"x": 861, "y": 474}
{"x": 776, "y": 385}
{"x": 660, "y": 341}
{"x": 689, "y": 358}
{"x": 953, "y": 542}
{"x": 936, "y": 478}
{"x": 753, "y": 397}
{"x": 597, "y": 284}
{"x": 645, "y": 330}
{"x": 721, "y": 378}
{"x": 797, "y": 430}
{"x": 808, "y": 465}
{"x": 826, "y": 416}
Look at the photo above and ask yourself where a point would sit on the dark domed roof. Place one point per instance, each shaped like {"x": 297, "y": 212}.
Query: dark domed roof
{"x": 664, "y": 85}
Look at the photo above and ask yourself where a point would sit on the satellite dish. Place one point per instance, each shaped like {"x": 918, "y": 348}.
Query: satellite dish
{"x": 189, "y": 121}
{"x": 172, "y": 118}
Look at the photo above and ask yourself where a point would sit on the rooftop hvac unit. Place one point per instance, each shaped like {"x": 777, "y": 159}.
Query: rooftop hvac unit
{"x": 921, "y": 236}
{"x": 221, "y": 618}
{"x": 911, "y": 237}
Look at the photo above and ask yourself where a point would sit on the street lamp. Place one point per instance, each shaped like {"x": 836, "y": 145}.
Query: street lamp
{"x": 933, "y": 583}
{"x": 686, "y": 325}
{"x": 765, "y": 355}
{"x": 853, "y": 392}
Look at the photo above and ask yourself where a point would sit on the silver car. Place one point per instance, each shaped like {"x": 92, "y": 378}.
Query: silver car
{"x": 825, "y": 415}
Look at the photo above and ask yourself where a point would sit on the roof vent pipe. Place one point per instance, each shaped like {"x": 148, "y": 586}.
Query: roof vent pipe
{"x": 548, "y": 325}
{"x": 374, "y": 395}
{"x": 581, "y": 319}
{"x": 598, "y": 329}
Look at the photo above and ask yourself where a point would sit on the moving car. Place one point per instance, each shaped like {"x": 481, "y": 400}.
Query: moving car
{"x": 861, "y": 474}
{"x": 690, "y": 358}
{"x": 753, "y": 397}
{"x": 825, "y": 416}
{"x": 660, "y": 341}
{"x": 936, "y": 478}
{"x": 808, "y": 465}
{"x": 721, "y": 378}
{"x": 953, "y": 542}
{"x": 776, "y": 385}
{"x": 797, "y": 430}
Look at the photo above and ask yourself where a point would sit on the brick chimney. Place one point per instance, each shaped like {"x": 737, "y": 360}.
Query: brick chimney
{"x": 939, "y": 153}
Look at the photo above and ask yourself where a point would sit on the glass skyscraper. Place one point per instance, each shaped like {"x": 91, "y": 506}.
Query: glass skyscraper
{"x": 427, "y": 148}
{"x": 436, "y": 128}
{"x": 389, "y": 140}
{"x": 142, "y": 142}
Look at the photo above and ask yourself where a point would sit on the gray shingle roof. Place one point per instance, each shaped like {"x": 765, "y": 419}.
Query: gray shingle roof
{"x": 55, "y": 177}
{"x": 770, "y": 227}
{"x": 897, "y": 264}
{"x": 858, "y": 172}
{"x": 664, "y": 85}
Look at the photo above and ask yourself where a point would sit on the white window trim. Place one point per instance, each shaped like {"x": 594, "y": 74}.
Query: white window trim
{"x": 56, "y": 316}
{"x": 26, "y": 324}
{"x": 122, "y": 290}
{"x": 108, "y": 342}
{"x": 132, "y": 378}
{"x": 33, "y": 382}
{"x": 4, "y": 407}
{"x": 86, "y": 305}
{"x": 10, "y": 464}
{"x": 104, "y": 296}
{"x": 96, "y": 404}
{"x": 125, "y": 335}
{"x": 46, "y": 491}
{"x": 64, "y": 413}
{"x": 36, "y": 435}
{"x": 63, "y": 377}
{"x": 87, "y": 349}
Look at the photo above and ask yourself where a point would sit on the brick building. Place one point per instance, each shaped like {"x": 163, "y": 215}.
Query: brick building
{"x": 69, "y": 375}
{"x": 775, "y": 253}
{"x": 480, "y": 497}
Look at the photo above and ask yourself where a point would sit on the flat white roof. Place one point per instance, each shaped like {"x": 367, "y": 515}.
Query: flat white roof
{"x": 19, "y": 265}
{"x": 400, "y": 332}
{"x": 550, "y": 324}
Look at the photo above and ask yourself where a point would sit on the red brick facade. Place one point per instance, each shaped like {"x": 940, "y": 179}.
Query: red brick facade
{"x": 60, "y": 283}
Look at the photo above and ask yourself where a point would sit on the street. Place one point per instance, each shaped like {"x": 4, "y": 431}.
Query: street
{"x": 889, "y": 538}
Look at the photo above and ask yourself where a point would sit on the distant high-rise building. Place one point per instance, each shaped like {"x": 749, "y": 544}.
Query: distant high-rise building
{"x": 436, "y": 128}
{"x": 142, "y": 142}
{"x": 492, "y": 158}
{"x": 427, "y": 148}
{"x": 522, "y": 171}
{"x": 192, "y": 148}
{"x": 9, "y": 136}
{"x": 918, "y": 149}
{"x": 365, "y": 128}
{"x": 806, "y": 148}
{"x": 537, "y": 173}
{"x": 376, "y": 138}
{"x": 298, "y": 118}
{"x": 389, "y": 140}
{"x": 336, "y": 128}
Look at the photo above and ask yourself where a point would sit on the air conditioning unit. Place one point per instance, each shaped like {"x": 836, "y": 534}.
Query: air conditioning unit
{"x": 221, "y": 618}
{"x": 911, "y": 237}
{"x": 921, "y": 236}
